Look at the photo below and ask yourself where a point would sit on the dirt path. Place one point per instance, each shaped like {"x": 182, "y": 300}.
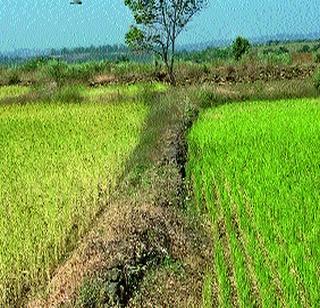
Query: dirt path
{"x": 144, "y": 249}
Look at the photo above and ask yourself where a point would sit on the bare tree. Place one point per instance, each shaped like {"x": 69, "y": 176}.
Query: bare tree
{"x": 158, "y": 23}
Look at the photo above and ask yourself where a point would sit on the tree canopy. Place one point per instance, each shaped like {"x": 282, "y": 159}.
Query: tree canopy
{"x": 239, "y": 47}
{"x": 158, "y": 23}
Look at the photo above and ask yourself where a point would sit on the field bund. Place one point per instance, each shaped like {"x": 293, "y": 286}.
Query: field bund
{"x": 255, "y": 168}
{"x": 58, "y": 163}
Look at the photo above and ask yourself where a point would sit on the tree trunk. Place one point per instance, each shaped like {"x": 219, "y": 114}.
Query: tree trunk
{"x": 172, "y": 76}
{"x": 169, "y": 62}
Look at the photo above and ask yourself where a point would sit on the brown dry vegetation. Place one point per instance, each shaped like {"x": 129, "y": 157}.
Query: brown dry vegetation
{"x": 186, "y": 73}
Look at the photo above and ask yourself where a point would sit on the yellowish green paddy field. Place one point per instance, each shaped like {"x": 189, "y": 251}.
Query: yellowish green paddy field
{"x": 56, "y": 162}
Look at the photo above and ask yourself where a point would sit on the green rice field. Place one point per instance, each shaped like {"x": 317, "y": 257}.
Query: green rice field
{"x": 58, "y": 163}
{"x": 255, "y": 169}
{"x": 13, "y": 91}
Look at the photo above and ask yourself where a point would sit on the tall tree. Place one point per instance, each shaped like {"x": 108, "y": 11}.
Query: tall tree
{"x": 158, "y": 23}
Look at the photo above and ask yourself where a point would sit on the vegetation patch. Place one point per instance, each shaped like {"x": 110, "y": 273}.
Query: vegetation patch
{"x": 13, "y": 91}
{"x": 128, "y": 91}
{"x": 254, "y": 168}
{"x": 59, "y": 163}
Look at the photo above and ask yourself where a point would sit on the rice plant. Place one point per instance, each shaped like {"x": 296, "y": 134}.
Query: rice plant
{"x": 13, "y": 91}
{"x": 255, "y": 168}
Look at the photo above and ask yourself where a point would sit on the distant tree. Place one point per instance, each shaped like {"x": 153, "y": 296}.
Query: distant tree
{"x": 305, "y": 48}
{"x": 273, "y": 42}
{"x": 64, "y": 51}
{"x": 239, "y": 47}
{"x": 122, "y": 58}
{"x": 158, "y": 23}
{"x": 316, "y": 47}
{"x": 282, "y": 50}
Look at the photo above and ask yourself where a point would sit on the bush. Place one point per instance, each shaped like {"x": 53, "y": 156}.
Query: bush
{"x": 13, "y": 77}
{"x": 93, "y": 293}
{"x": 305, "y": 48}
{"x": 57, "y": 71}
{"x": 275, "y": 59}
{"x": 267, "y": 51}
{"x": 317, "y": 58}
{"x": 282, "y": 50}
{"x": 61, "y": 72}
{"x": 316, "y": 79}
{"x": 316, "y": 47}
{"x": 34, "y": 64}
{"x": 251, "y": 57}
{"x": 208, "y": 98}
{"x": 85, "y": 71}
{"x": 240, "y": 47}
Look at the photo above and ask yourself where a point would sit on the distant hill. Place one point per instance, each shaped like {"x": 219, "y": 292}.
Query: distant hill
{"x": 25, "y": 53}
{"x": 78, "y": 54}
{"x": 255, "y": 40}
{"x": 122, "y": 53}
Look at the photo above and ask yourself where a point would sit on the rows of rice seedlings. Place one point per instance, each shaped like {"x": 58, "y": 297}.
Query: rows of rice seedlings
{"x": 13, "y": 91}
{"x": 255, "y": 168}
{"x": 58, "y": 163}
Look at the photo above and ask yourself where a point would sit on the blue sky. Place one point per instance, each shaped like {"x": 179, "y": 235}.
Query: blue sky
{"x": 56, "y": 23}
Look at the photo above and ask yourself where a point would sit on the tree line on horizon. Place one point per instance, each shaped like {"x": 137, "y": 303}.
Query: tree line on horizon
{"x": 156, "y": 28}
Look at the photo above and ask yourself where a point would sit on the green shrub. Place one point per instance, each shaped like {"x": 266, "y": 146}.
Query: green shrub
{"x": 208, "y": 98}
{"x": 92, "y": 294}
{"x": 34, "y": 64}
{"x": 282, "y": 50}
{"x": 267, "y": 51}
{"x": 250, "y": 57}
{"x": 317, "y": 58}
{"x": 122, "y": 58}
{"x": 68, "y": 94}
{"x": 316, "y": 79}
{"x": 305, "y": 48}
{"x": 240, "y": 47}
{"x": 57, "y": 71}
{"x": 274, "y": 58}
{"x": 84, "y": 71}
{"x": 13, "y": 77}
{"x": 316, "y": 47}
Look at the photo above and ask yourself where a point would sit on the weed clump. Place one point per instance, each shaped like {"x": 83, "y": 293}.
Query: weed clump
{"x": 13, "y": 78}
{"x": 68, "y": 94}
